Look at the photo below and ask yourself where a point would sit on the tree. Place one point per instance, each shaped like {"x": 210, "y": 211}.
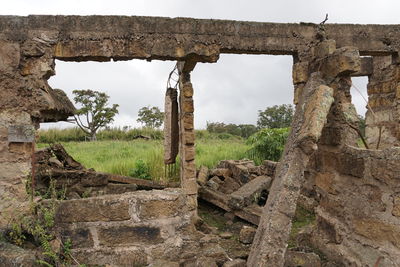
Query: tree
{"x": 94, "y": 111}
{"x": 151, "y": 117}
{"x": 275, "y": 117}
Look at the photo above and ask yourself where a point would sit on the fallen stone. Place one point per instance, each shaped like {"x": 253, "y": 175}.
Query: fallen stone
{"x": 11, "y": 255}
{"x": 249, "y": 192}
{"x": 270, "y": 243}
{"x": 301, "y": 259}
{"x": 214, "y": 183}
{"x": 202, "y": 176}
{"x": 247, "y": 234}
{"x": 225, "y": 235}
{"x": 235, "y": 263}
{"x": 229, "y": 185}
{"x": 269, "y": 167}
{"x": 206, "y": 262}
{"x": 164, "y": 263}
{"x": 221, "y": 172}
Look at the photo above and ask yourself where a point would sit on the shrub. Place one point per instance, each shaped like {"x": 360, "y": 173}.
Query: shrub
{"x": 267, "y": 144}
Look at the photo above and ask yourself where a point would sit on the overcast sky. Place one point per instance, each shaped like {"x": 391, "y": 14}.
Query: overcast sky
{"x": 231, "y": 90}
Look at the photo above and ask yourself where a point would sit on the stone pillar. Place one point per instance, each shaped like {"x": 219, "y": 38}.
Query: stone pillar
{"x": 171, "y": 126}
{"x": 383, "y": 117}
{"x": 186, "y": 137}
{"x": 15, "y": 163}
{"x": 321, "y": 80}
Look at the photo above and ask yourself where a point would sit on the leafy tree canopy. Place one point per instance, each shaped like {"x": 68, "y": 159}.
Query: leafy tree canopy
{"x": 151, "y": 117}
{"x": 275, "y": 117}
{"x": 94, "y": 112}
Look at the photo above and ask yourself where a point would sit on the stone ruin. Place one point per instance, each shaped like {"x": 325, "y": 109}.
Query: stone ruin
{"x": 355, "y": 191}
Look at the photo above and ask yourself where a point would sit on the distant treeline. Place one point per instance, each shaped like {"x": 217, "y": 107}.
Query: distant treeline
{"x": 242, "y": 130}
{"x": 117, "y": 133}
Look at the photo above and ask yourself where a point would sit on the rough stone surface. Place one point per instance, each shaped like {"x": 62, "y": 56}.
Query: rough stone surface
{"x": 247, "y": 234}
{"x": 235, "y": 263}
{"x": 29, "y": 45}
{"x": 303, "y": 259}
{"x": 250, "y": 191}
{"x": 11, "y": 255}
{"x": 311, "y": 114}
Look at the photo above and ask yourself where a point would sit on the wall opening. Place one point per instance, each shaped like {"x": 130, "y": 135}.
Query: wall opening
{"x": 122, "y": 147}
{"x": 233, "y": 90}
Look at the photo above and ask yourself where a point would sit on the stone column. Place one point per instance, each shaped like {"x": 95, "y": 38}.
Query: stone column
{"x": 328, "y": 69}
{"x": 186, "y": 137}
{"x": 383, "y": 117}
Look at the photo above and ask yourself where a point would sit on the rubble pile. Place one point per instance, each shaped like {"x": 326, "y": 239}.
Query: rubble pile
{"x": 54, "y": 165}
{"x": 237, "y": 186}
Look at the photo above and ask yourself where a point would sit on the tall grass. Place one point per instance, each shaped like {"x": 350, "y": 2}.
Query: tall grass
{"x": 145, "y": 158}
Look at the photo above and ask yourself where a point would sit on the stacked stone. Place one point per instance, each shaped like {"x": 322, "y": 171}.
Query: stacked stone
{"x": 384, "y": 101}
{"x": 186, "y": 128}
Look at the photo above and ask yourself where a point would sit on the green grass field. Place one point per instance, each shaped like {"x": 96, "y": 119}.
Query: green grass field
{"x": 145, "y": 158}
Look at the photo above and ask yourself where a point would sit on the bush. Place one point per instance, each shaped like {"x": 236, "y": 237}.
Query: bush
{"x": 267, "y": 144}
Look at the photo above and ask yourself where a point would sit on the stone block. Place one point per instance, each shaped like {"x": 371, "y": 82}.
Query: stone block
{"x": 129, "y": 235}
{"x": 229, "y": 185}
{"x": 187, "y": 105}
{"x": 188, "y": 169}
{"x": 301, "y": 259}
{"x": 298, "y": 91}
{"x": 188, "y": 137}
{"x": 189, "y": 152}
{"x": 300, "y": 72}
{"x": 187, "y": 90}
{"x": 110, "y": 257}
{"x": 188, "y": 121}
{"x": 214, "y": 183}
{"x": 247, "y": 234}
{"x": 377, "y": 231}
{"x": 351, "y": 165}
{"x": 9, "y": 55}
{"x": 396, "y": 205}
{"x": 158, "y": 209}
{"x": 221, "y": 172}
{"x": 249, "y": 192}
{"x": 92, "y": 210}
{"x": 80, "y": 237}
{"x": 202, "y": 176}
{"x": 11, "y": 255}
{"x": 235, "y": 263}
{"x": 189, "y": 186}
{"x": 325, "y": 48}
{"x": 343, "y": 61}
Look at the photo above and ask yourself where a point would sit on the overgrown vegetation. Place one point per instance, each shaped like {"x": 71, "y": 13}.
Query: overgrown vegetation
{"x": 267, "y": 144}
{"x": 144, "y": 159}
{"x": 37, "y": 228}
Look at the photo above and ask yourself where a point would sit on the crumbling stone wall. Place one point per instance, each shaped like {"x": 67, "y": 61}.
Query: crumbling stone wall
{"x": 383, "y": 118}
{"x": 30, "y": 45}
{"x": 132, "y": 229}
{"x": 357, "y": 218}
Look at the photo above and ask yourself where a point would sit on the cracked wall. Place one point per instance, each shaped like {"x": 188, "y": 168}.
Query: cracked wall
{"x": 30, "y": 45}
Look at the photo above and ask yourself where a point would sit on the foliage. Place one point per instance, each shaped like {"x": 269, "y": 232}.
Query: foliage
{"x": 120, "y": 157}
{"x": 151, "y": 117}
{"x": 94, "y": 110}
{"x": 141, "y": 170}
{"x": 243, "y": 130}
{"x": 267, "y": 144}
{"x": 275, "y": 117}
{"x": 361, "y": 124}
{"x": 38, "y": 227}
